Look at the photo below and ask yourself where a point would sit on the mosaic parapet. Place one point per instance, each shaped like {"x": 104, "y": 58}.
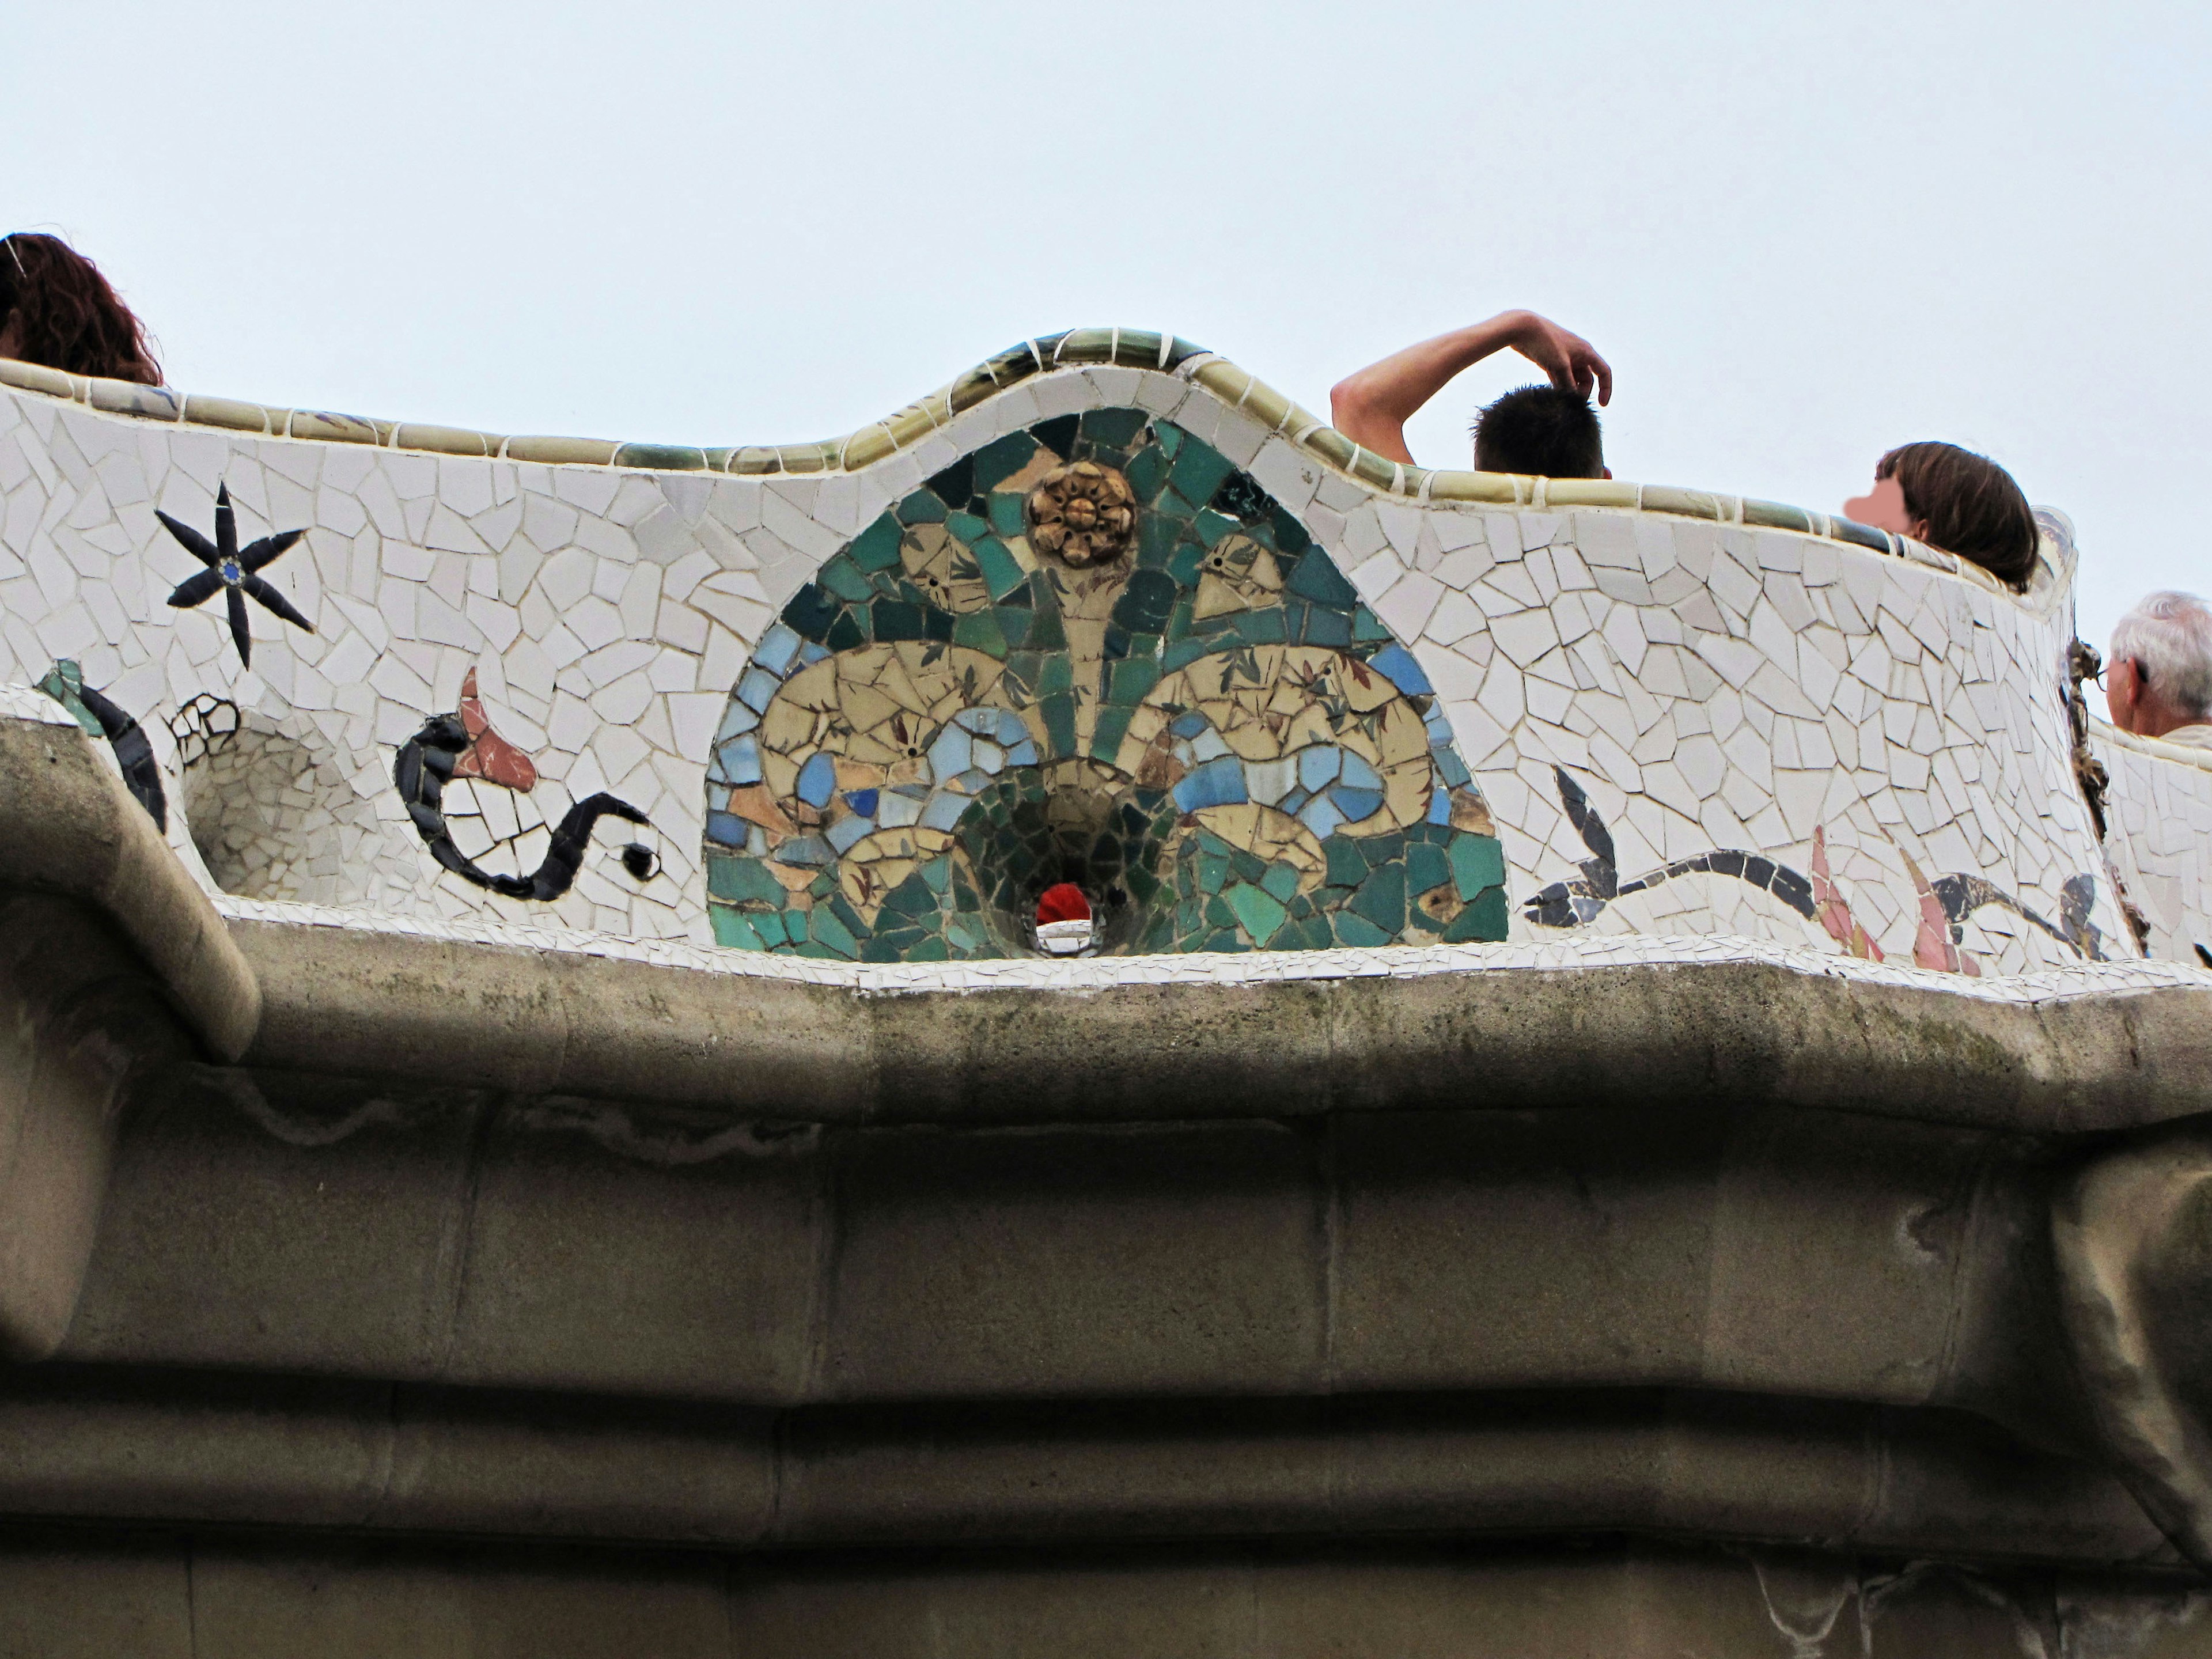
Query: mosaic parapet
{"x": 1682, "y": 712}
{"x": 2160, "y": 803}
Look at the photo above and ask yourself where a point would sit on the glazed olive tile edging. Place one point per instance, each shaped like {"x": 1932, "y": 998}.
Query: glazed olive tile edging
{"x": 1115, "y": 347}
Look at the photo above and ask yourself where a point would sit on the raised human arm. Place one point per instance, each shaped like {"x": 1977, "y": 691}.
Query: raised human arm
{"x": 1372, "y": 408}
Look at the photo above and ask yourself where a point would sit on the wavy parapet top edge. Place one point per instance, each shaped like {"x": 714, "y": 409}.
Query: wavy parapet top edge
{"x": 2103, "y": 731}
{"x": 1121, "y": 348}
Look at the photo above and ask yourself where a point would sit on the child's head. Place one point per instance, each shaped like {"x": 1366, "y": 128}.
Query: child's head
{"x": 1542, "y": 431}
{"x": 1954, "y": 498}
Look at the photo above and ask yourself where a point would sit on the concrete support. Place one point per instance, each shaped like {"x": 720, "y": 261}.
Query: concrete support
{"x": 79, "y": 1020}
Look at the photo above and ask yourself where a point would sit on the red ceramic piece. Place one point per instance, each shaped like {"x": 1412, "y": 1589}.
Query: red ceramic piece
{"x": 490, "y": 755}
{"x": 1062, "y": 902}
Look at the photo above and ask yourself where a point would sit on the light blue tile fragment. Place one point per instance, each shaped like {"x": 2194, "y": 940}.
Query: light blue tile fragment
{"x": 845, "y": 832}
{"x": 806, "y": 852}
{"x": 777, "y": 648}
{"x": 1023, "y": 753}
{"x": 1217, "y": 783}
{"x": 943, "y": 810}
{"x": 758, "y": 686}
{"x": 1318, "y": 764}
{"x": 899, "y": 807}
{"x": 1440, "y": 806}
{"x": 817, "y": 780}
{"x": 1358, "y": 773}
{"x": 1356, "y": 805}
{"x": 740, "y": 759}
{"x": 736, "y": 721}
{"x": 1320, "y": 815}
{"x": 810, "y": 654}
{"x": 948, "y": 754}
{"x": 1189, "y": 725}
{"x": 1397, "y": 664}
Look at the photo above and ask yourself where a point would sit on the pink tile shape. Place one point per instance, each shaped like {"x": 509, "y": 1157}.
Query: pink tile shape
{"x": 490, "y": 755}
{"x": 1931, "y": 946}
{"x": 1834, "y": 909}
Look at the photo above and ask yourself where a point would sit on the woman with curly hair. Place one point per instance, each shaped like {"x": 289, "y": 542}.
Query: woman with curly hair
{"x": 57, "y": 309}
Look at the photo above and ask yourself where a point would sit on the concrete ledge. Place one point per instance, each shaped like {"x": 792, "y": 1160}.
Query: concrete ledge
{"x": 186, "y": 1448}
{"x": 72, "y": 1594}
{"x": 291, "y": 1224}
{"x": 370, "y": 1003}
{"x": 71, "y": 829}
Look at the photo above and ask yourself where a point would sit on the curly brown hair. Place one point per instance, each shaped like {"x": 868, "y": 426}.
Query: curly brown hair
{"x": 66, "y": 315}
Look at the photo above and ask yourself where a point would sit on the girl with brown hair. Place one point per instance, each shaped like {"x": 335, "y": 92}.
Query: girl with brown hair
{"x": 1954, "y": 498}
{"x": 57, "y": 309}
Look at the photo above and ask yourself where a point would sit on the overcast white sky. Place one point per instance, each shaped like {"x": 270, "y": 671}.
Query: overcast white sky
{"x": 1801, "y": 234}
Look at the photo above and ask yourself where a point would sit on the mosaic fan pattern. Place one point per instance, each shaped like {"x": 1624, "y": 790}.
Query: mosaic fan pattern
{"x": 1094, "y": 651}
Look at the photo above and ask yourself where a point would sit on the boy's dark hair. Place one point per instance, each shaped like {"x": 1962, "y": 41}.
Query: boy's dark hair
{"x": 1969, "y": 504}
{"x": 72, "y": 320}
{"x": 1542, "y": 431}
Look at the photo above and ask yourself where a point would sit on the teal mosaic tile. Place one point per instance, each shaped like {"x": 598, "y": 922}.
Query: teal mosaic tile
{"x": 1204, "y": 729}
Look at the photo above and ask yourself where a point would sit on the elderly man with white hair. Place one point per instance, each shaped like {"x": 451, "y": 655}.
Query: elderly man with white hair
{"x": 2160, "y": 678}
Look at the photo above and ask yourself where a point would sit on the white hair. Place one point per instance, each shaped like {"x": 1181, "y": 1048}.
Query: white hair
{"x": 2171, "y": 636}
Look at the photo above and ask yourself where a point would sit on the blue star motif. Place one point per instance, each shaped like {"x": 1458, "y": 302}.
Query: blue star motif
{"x": 230, "y": 572}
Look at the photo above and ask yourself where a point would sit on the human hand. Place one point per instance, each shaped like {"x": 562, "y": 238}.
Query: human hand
{"x": 1569, "y": 360}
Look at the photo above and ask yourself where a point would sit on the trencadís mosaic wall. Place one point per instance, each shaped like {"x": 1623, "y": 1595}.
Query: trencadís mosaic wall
{"x": 1104, "y": 610}
{"x": 2160, "y": 841}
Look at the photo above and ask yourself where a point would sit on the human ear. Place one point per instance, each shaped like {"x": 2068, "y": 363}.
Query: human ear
{"x": 2116, "y": 699}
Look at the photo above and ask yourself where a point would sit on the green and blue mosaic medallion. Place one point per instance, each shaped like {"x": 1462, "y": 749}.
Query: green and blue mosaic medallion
{"x": 1094, "y": 652}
